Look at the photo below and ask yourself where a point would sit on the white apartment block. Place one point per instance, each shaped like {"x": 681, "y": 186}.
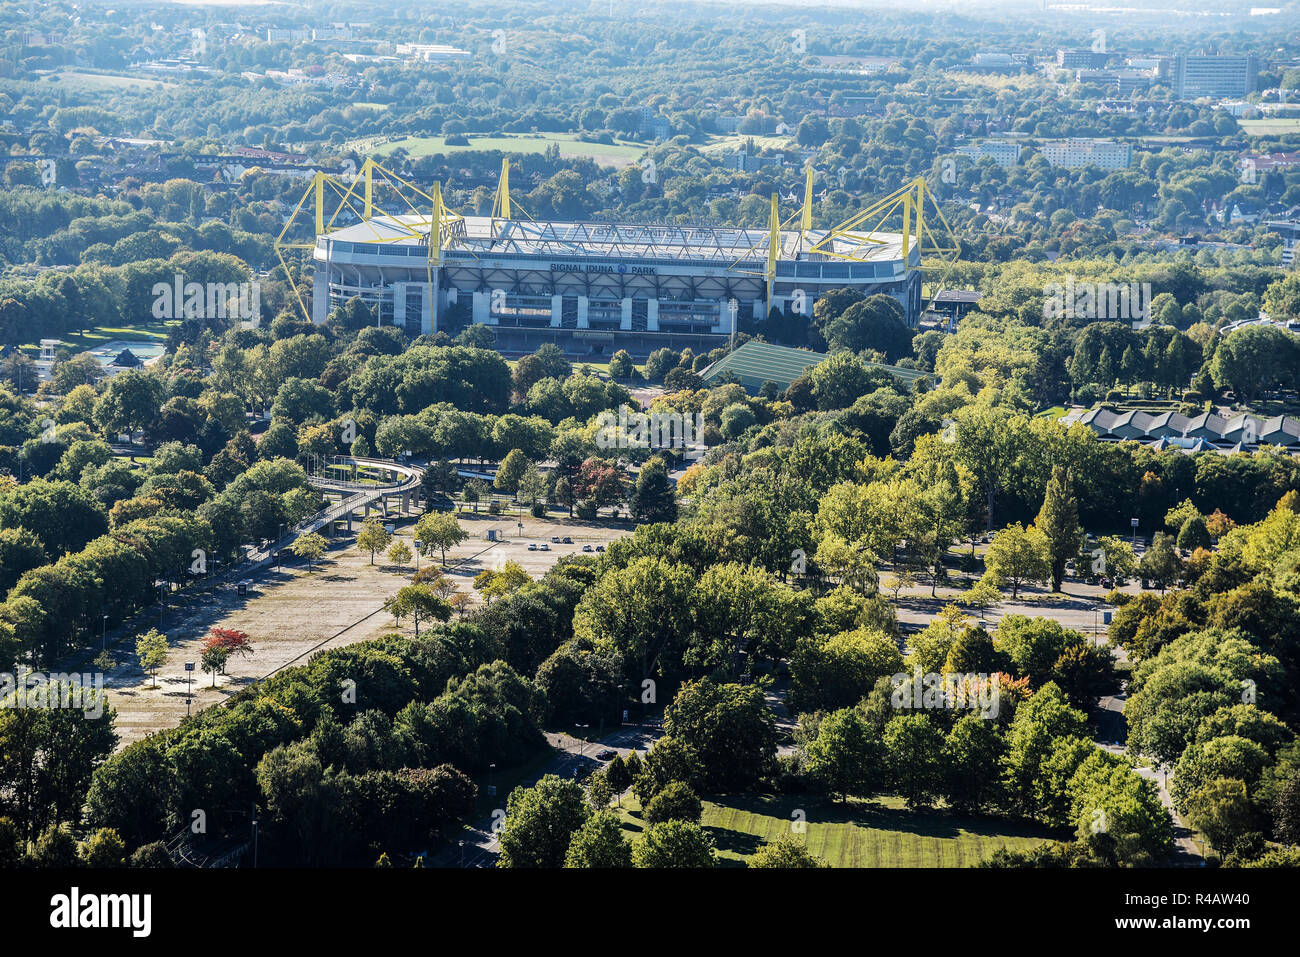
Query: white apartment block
{"x": 1076, "y": 152}
{"x": 1000, "y": 152}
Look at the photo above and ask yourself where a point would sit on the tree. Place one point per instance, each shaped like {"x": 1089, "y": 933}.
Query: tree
{"x": 1058, "y": 520}
{"x": 599, "y": 791}
{"x": 982, "y": 595}
{"x": 310, "y": 546}
{"x": 914, "y": 755}
{"x": 618, "y": 776}
{"x": 541, "y": 822}
{"x": 563, "y": 494}
{"x": 785, "y": 852}
{"x": 231, "y": 641}
{"x": 837, "y": 672}
{"x": 400, "y": 554}
{"x": 845, "y": 758}
{"x": 973, "y": 753}
{"x": 103, "y": 848}
{"x": 1194, "y": 534}
{"x": 652, "y": 497}
{"x": 599, "y": 843}
{"x": 441, "y": 531}
{"x": 510, "y": 472}
{"x": 420, "y": 603}
{"x": 675, "y": 844}
{"x": 373, "y": 537}
{"x": 152, "y": 650}
{"x": 676, "y": 802}
{"x": 1161, "y": 563}
{"x": 1017, "y": 556}
{"x": 1221, "y": 810}
{"x": 213, "y": 661}
{"x": 729, "y": 727}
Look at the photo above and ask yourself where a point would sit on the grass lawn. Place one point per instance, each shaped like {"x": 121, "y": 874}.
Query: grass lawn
{"x": 879, "y": 833}
{"x": 736, "y": 141}
{"x": 616, "y": 154}
{"x": 94, "y": 338}
{"x": 1270, "y": 127}
{"x": 102, "y": 81}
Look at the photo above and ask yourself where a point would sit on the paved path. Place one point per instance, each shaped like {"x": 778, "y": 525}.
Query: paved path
{"x": 478, "y": 846}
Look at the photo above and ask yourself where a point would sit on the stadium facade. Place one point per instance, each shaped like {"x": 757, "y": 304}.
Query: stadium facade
{"x": 593, "y": 288}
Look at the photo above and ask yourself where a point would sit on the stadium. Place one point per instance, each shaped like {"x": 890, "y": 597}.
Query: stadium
{"x": 594, "y": 288}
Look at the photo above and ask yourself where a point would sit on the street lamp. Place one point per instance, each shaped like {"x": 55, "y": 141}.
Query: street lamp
{"x": 583, "y": 747}
{"x": 103, "y": 635}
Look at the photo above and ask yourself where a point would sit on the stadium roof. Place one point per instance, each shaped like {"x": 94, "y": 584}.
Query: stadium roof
{"x": 757, "y": 362}
{"x": 482, "y": 235}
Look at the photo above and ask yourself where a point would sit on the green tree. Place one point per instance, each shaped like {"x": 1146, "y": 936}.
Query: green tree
{"x": 785, "y": 852}
{"x": 846, "y": 757}
{"x": 541, "y": 822}
{"x": 373, "y": 537}
{"x": 914, "y": 756}
{"x": 152, "y": 650}
{"x": 599, "y": 843}
{"x": 400, "y": 554}
{"x": 675, "y": 844}
{"x": 675, "y": 802}
{"x": 310, "y": 546}
{"x": 652, "y": 497}
{"x": 1161, "y": 564}
{"x": 1018, "y": 556}
{"x": 618, "y": 776}
{"x": 510, "y": 472}
{"x": 1221, "y": 810}
{"x": 418, "y": 602}
{"x": 439, "y": 530}
{"x": 1058, "y": 520}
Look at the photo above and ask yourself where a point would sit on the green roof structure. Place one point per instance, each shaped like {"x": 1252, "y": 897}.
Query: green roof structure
{"x": 756, "y": 362}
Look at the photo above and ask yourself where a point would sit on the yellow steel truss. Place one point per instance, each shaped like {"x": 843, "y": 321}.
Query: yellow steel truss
{"x": 438, "y": 223}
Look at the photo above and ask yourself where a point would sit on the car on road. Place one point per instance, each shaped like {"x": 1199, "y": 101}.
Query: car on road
{"x": 567, "y": 540}
{"x": 544, "y": 547}
{"x": 600, "y": 548}
{"x": 555, "y": 539}
{"x": 441, "y": 503}
{"x": 606, "y": 755}
{"x": 532, "y": 546}
{"x": 587, "y": 548}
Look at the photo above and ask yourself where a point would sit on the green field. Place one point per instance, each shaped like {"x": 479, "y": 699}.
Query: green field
{"x": 736, "y": 141}
{"x": 103, "y": 81}
{"x": 95, "y": 338}
{"x": 879, "y": 833}
{"x": 1270, "y": 127}
{"x": 616, "y": 154}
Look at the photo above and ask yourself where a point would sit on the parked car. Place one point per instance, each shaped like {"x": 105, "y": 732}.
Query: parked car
{"x": 532, "y": 546}
{"x": 567, "y": 540}
{"x": 606, "y": 755}
{"x": 555, "y": 539}
{"x": 587, "y": 548}
{"x": 600, "y": 548}
{"x": 543, "y": 547}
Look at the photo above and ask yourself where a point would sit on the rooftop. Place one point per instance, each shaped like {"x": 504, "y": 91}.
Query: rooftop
{"x": 483, "y": 235}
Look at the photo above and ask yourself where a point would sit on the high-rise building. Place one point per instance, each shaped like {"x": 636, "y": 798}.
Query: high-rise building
{"x": 1214, "y": 76}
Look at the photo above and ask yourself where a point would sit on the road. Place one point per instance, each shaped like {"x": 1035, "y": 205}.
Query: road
{"x": 1111, "y": 734}
{"x": 477, "y": 846}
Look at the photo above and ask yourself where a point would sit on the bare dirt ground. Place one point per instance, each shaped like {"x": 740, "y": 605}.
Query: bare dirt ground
{"x": 293, "y": 612}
